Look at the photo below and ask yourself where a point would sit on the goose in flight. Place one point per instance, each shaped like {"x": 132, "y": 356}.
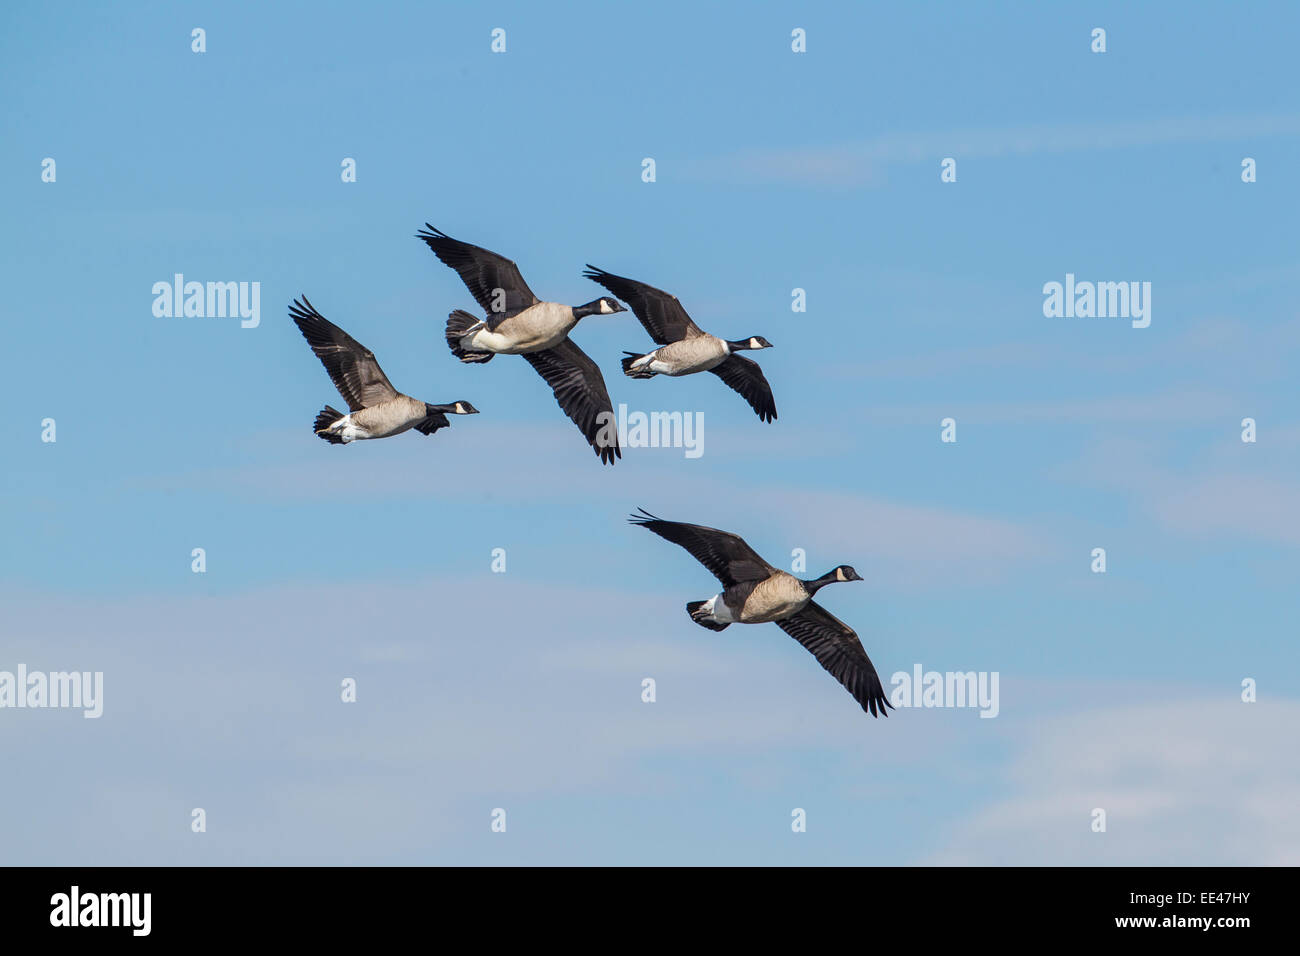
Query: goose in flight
{"x": 754, "y": 592}
{"x": 685, "y": 348}
{"x": 375, "y": 408}
{"x": 518, "y": 323}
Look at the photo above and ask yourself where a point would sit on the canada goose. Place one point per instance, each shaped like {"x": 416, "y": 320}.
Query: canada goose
{"x": 684, "y": 348}
{"x": 519, "y": 323}
{"x": 754, "y": 592}
{"x": 375, "y": 408}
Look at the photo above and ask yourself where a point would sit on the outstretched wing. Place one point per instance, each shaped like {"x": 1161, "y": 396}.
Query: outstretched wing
{"x": 352, "y": 367}
{"x": 660, "y": 313}
{"x": 745, "y": 376}
{"x": 838, "y": 649}
{"x": 580, "y": 390}
{"x": 493, "y": 280}
{"x": 726, "y": 555}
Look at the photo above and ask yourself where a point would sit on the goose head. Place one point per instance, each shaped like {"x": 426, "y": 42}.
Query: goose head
{"x": 837, "y": 575}
{"x": 602, "y": 306}
{"x": 453, "y": 408}
{"x": 753, "y": 342}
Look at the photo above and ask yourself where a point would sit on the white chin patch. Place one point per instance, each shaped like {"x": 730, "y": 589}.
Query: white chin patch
{"x": 605, "y": 309}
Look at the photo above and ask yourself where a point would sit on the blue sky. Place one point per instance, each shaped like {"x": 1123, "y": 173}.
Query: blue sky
{"x": 775, "y": 171}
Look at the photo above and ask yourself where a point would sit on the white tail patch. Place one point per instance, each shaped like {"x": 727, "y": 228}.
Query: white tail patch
{"x": 348, "y": 430}
{"x": 717, "y": 610}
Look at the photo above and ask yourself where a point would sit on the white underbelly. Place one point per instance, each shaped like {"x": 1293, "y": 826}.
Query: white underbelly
{"x": 485, "y": 341}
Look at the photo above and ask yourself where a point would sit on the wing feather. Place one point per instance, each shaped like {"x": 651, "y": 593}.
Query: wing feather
{"x": 494, "y": 281}
{"x": 659, "y": 311}
{"x": 352, "y": 367}
{"x": 580, "y": 390}
{"x": 726, "y": 555}
{"x": 746, "y": 377}
{"x": 838, "y": 649}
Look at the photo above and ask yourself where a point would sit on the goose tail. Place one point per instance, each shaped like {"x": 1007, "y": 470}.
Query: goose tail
{"x": 326, "y": 417}
{"x": 458, "y": 323}
{"x": 701, "y": 617}
{"x": 640, "y": 372}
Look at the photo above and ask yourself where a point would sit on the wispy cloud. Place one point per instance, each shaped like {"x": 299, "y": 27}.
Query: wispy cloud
{"x": 907, "y": 541}
{"x": 1234, "y": 492}
{"x": 467, "y": 717}
{"x": 1175, "y": 406}
{"x": 863, "y": 164}
{"x": 1236, "y": 505}
{"x": 901, "y": 542}
{"x": 1211, "y": 781}
{"x": 1214, "y": 351}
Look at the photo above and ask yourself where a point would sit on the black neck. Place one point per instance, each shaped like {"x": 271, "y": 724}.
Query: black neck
{"x": 738, "y": 345}
{"x": 818, "y": 583}
{"x": 582, "y": 311}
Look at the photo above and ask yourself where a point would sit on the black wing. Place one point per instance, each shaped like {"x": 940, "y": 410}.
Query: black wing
{"x": 726, "y": 555}
{"x": 352, "y": 366}
{"x": 660, "y": 313}
{"x": 838, "y": 650}
{"x": 580, "y": 390}
{"x": 432, "y": 423}
{"x": 493, "y": 280}
{"x": 746, "y": 377}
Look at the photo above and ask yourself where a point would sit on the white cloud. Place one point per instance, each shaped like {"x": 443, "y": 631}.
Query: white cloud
{"x": 232, "y": 704}
{"x": 1210, "y": 781}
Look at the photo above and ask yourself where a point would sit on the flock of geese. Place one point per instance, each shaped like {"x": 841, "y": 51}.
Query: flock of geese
{"x": 517, "y": 322}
